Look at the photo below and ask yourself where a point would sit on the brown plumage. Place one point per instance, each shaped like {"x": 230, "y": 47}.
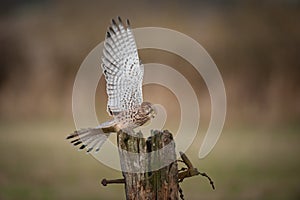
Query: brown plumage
{"x": 123, "y": 73}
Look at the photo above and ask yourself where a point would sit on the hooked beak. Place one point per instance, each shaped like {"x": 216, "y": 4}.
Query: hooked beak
{"x": 153, "y": 112}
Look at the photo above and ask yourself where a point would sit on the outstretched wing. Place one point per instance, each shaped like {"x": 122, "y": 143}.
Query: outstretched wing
{"x": 122, "y": 69}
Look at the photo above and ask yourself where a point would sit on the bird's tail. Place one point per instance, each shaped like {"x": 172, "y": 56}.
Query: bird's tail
{"x": 92, "y": 138}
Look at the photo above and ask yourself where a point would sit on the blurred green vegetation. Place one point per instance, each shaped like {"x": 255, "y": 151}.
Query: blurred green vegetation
{"x": 37, "y": 163}
{"x": 255, "y": 45}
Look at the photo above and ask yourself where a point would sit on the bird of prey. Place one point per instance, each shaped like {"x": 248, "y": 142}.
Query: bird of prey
{"x": 123, "y": 73}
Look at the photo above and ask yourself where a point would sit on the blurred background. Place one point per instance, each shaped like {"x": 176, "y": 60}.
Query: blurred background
{"x": 255, "y": 45}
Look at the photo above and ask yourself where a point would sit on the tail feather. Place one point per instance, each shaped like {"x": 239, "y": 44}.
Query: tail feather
{"x": 97, "y": 142}
{"x": 77, "y": 143}
{"x": 73, "y": 141}
{"x": 89, "y": 138}
{"x": 108, "y": 126}
{"x": 77, "y": 133}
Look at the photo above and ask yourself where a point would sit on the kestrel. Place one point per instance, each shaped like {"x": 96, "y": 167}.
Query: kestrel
{"x": 123, "y": 73}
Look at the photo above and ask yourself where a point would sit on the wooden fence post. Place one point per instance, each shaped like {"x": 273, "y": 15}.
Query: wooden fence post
{"x": 143, "y": 177}
{"x": 150, "y": 168}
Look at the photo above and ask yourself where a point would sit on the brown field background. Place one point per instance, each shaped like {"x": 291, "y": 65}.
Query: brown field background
{"x": 255, "y": 45}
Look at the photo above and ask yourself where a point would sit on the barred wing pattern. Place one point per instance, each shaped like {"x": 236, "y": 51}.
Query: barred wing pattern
{"x": 124, "y": 75}
{"x": 122, "y": 69}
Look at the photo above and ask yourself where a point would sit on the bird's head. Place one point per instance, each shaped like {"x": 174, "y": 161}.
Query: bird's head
{"x": 149, "y": 109}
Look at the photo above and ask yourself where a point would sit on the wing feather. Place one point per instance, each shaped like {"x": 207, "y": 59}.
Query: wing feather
{"x": 122, "y": 69}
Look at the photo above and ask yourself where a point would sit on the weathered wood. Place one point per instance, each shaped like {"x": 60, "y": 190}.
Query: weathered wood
{"x": 149, "y": 166}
